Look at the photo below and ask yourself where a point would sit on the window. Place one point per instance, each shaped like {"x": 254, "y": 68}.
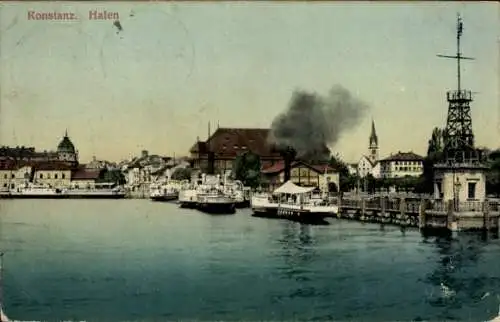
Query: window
{"x": 55, "y": 176}
{"x": 5, "y": 185}
{"x": 63, "y": 176}
{"x": 5, "y": 176}
{"x": 471, "y": 190}
{"x": 41, "y": 175}
{"x": 12, "y": 186}
{"x": 12, "y": 176}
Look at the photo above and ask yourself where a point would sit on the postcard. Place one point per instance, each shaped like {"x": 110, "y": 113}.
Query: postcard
{"x": 249, "y": 161}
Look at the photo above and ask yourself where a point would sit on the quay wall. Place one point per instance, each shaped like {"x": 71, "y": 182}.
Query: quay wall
{"x": 423, "y": 213}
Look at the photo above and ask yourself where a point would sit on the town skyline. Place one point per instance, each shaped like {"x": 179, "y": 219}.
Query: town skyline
{"x": 157, "y": 83}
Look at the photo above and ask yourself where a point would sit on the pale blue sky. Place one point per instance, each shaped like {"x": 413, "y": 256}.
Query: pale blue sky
{"x": 177, "y": 65}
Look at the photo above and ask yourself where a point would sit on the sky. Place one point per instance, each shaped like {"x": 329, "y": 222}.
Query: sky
{"x": 174, "y": 67}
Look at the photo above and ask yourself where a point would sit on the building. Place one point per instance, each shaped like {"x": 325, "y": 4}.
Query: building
{"x": 13, "y": 175}
{"x": 65, "y": 152}
{"x": 85, "y": 178}
{"x": 53, "y": 174}
{"x": 147, "y": 168}
{"x": 369, "y": 163}
{"x": 228, "y": 143}
{"x": 402, "y": 164}
{"x": 303, "y": 174}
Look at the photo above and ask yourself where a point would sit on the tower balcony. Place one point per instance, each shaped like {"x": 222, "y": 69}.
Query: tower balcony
{"x": 459, "y": 96}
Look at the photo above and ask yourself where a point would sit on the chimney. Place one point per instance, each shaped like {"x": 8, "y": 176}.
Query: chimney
{"x": 288, "y": 154}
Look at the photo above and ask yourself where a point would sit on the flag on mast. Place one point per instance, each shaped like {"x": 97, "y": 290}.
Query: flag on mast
{"x": 460, "y": 25}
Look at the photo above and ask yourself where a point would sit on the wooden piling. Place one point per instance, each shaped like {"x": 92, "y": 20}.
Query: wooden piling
{"x": 422, "y": 220}
{"x": 486, "y": 215}
{"x": 339, "y": 205}
{"x": 450, "y": 211}
{"x": 402, "y": 212}
{"x": 363, "y": 207}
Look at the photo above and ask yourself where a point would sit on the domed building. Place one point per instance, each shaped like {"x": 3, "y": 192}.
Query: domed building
{"x": 66, "y": 150}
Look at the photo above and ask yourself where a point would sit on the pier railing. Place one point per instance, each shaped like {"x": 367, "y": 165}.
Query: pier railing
{"x": 413, "y": 205}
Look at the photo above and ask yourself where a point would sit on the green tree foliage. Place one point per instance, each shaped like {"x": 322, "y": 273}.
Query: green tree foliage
{"x": 493, "y": 175}
{"x": 246, "y": 168}
{"x": 435, "y": 154}
{"x": 182, "y": 174}
{"x": 112, "y": 176}
{"x": 347, "y": 181}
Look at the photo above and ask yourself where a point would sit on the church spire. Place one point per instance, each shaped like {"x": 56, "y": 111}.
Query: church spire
{"x": 373, "y": 136}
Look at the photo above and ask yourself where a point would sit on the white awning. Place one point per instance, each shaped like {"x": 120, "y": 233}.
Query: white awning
{"x": 291, "y": 188}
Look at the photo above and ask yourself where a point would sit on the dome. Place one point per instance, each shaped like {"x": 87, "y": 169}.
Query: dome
{"x": 66, "y": 145}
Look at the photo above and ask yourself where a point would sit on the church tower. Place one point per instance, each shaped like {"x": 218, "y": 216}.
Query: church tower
{"x": 373, "y": 146}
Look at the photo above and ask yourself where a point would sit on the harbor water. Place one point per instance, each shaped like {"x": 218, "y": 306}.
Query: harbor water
{"x": 137, "y": 260}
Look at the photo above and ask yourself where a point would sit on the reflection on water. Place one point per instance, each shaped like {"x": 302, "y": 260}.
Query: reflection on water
{"x": 297, "y": 252}
{"x": 137, "y": 260}
{"x": 456, "y": 278}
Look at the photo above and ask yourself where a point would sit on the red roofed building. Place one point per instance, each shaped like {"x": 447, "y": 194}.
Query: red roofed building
{"x": 85, "y": 178}
{"x": 303, "y": 174}
{"x": 228, "y": 143}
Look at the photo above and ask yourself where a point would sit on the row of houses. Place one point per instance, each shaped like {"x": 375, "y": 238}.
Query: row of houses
{"x": 55, "y": 174}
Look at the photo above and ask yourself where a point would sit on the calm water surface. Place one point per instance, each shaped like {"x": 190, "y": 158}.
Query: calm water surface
{"x": 116, "y": 260}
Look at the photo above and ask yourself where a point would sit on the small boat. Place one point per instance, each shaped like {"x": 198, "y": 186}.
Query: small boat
{"x": 163, "y": 192}
{"x": 215, "y": 201}
{"x": 294, "y": 203}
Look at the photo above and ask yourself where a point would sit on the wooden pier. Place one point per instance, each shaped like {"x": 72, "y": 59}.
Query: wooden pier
{"x": 421, "y": 213}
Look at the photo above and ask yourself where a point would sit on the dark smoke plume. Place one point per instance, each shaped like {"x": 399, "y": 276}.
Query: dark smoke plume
{"x": 312, "y": 122}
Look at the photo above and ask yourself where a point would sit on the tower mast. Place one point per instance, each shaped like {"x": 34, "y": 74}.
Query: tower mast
{"x": 458, "y": 138}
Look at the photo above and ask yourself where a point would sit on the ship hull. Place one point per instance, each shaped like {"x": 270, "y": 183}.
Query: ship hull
{"x": 163, "y": 198}
{"x": 304, "y": 217}
{"x": 217, "y": 208}
{"x": 188, "y": 204}
{"x": 62, "y": 196}
{"x": 243, "y": 204}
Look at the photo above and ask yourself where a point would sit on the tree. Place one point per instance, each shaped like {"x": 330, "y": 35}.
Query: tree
{"x": 181, "y": 174}
{"x": 435, "y": 154}
{"x": 246, "y": 168}
{"x": 347, "y": 181}
{"x": 112, "y": 176}
{"x": 493, "y": 175}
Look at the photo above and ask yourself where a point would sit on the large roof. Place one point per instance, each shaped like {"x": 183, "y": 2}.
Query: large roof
{"x": 86, "y": 174}
{"x": 404, "y": 156}
{"x": 232, "y": 141}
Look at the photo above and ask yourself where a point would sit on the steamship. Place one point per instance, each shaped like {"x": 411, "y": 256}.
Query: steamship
{"x": 188, "y": 195}
{"x": 37, "y": 191}
{"x": 163, "y": 192}
{"x": 213, "y": 198}
{"x": 292, "y": 202}
{"x": 295, "y": 203}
